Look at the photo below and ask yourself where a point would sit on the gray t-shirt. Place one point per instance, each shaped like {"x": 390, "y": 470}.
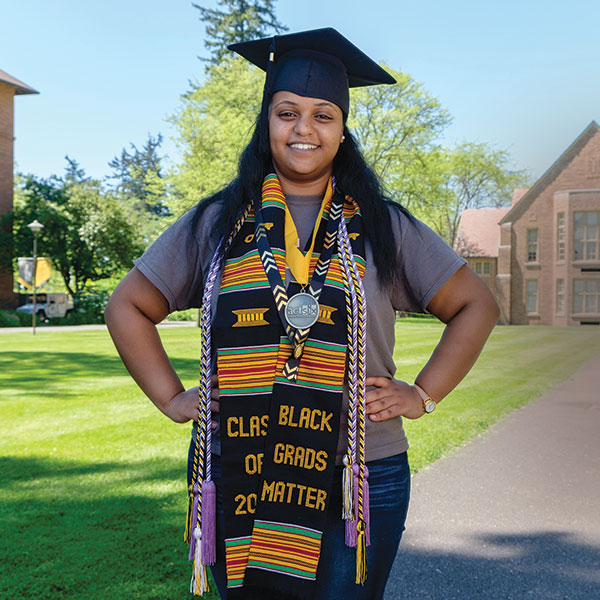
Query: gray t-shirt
{"x": 176, "y": 262}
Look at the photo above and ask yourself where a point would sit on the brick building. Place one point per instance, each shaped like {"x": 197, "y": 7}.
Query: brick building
{"x": 478, "y": 241}
{"x": 9, "y": 88}
{"x": 547, "y": 262}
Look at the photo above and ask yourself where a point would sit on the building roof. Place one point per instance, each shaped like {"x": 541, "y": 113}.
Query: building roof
{"x": 518, "y": 193}
{"x": 20, "y": 87}
{"x": 552, "y": 173}
{"x": 479, "y": 232}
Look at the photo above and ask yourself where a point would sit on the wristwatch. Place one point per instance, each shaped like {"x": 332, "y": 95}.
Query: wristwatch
{"x": 429, "y": 403}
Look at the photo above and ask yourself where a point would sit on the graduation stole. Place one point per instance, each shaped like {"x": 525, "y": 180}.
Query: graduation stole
{"x": 281, "y": 380}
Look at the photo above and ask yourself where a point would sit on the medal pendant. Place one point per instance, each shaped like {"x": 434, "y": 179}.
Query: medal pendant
{"x": 302, "y": 311}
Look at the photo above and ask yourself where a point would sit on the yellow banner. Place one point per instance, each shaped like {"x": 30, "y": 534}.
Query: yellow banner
{"x": 42, "y": 272}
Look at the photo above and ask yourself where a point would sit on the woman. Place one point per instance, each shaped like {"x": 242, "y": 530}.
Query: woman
{"x": 299, "y": 265}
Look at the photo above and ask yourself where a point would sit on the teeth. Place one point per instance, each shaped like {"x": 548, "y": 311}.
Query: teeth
{"x": 304, "y": 146}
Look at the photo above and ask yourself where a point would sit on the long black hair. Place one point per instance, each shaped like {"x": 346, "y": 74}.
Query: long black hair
{"x": 354, "y": 178}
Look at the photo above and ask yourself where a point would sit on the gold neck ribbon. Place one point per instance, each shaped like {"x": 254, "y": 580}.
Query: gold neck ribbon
{"x": 298, "y": 261}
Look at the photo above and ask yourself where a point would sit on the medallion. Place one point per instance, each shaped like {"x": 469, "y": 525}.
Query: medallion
{"x": 302, "y": 311}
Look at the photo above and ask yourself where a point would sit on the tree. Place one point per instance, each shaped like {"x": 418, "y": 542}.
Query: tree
{"x": 467, "y": 176}
{"x": 74, "y": 173}
{"x": 138, "y": 177}
{"x": 396, "y": 127}
{"x": 214, "y": 123}
{"x": 236, "y": 21}
{"x": 86, "y": 233}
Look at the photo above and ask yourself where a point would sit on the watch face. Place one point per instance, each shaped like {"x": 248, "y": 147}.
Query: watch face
{"x": 429, "y": 406}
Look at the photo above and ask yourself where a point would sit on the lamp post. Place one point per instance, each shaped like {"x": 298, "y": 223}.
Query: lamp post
{"x": 35, "y": 227}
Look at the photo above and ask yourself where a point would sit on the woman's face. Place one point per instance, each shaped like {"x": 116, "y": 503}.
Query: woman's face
{"x": 305, "y": 135}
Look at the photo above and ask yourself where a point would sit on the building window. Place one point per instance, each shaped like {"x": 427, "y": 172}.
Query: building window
{"x": 482, "y": 267}
{"x": 586, "y": 296}
{"x": 560, "y": 296}
{"x": 560, "y": 236}
{"x": 532, "y": 245}
{"x": 532, "y": 296}
{"x": 586, "y": 235}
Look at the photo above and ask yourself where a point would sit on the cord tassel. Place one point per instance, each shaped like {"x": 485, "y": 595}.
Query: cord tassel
{"x": 350, "y": 533}
{"x": 361, "y": 555}
{"x": 209, "y": 522}
{"x": 193, "y": 520}
{"x": 187, "y": 535}
{"x": 347, "y": 493}
{"x": 364, "y": 518}
{"x": 366, "y": 509}
{"x": 199, "y": 583}
{"x": 351, "y": 525}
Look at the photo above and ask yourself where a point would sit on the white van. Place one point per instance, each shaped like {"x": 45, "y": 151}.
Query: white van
{"x": 49, "y": 305}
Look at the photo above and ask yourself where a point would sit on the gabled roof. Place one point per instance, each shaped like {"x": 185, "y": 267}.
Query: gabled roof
{"x": 479, "y": 231}
{"x": 20, "y": 87}
{"x": 552, "y": 173}
{"x": 518, "y": 193}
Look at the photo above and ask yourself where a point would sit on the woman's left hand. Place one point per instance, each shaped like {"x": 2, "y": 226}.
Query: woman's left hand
{"x": 392, "y": 398}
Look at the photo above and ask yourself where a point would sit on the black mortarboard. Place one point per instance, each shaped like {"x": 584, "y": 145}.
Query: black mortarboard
{"x": 320, "y": 63}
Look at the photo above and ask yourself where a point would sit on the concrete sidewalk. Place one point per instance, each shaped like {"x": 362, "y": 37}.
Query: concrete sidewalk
{"x": 41, "y": 329}
{"x": 514, "y": 514}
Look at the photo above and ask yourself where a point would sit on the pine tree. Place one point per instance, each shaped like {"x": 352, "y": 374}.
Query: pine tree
{"x": 237, "y": 21}
{"x": 138, "y": 176}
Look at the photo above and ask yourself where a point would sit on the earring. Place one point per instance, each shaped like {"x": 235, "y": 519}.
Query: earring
{"x": 343, "y": 138}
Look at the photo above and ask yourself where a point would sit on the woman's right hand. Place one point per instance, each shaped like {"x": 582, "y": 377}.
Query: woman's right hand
{"x": 183, "y": 406}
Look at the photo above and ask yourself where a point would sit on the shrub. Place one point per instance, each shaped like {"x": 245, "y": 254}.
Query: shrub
{"x": 92, "y": 304}
{"x": 12, "y": 318}
{"x": 9, "y": 318}
{"x": 191, "y": 314}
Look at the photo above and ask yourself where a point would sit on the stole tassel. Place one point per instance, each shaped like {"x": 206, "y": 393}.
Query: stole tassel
{"x": 199, "y": 583}
{"x": 209, "y": 522}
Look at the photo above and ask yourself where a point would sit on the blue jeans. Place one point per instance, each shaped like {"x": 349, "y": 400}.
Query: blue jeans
{"x": 389, "y": 491}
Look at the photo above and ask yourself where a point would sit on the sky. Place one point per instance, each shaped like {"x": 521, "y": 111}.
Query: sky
{"x": 519, "y": 75}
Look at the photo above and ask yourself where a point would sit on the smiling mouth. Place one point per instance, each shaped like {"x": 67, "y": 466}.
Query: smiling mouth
{"x": 303, "y": 146}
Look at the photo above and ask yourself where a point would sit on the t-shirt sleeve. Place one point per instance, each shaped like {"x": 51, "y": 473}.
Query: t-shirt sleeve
{"x": 426, "y": 262}
{"x": 176, "y": 261}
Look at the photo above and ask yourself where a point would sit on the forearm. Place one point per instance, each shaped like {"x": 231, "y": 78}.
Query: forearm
{"x": 462, "y": 341}
{"x": 138, "y": 343}
{"x": 131, "y": 316}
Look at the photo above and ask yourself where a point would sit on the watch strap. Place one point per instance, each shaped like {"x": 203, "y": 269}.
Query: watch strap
{"x": 425, "y": 397}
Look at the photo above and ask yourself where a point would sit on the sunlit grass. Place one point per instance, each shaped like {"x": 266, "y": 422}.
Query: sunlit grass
{"x": 517, "y": 366}
{"x": 92, "y": 477}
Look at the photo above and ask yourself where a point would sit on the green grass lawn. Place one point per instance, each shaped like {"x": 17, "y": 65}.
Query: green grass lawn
{"x": 92, "y": 477}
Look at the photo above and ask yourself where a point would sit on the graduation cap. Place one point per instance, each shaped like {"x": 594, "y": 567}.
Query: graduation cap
{"x": 320, "y": 63}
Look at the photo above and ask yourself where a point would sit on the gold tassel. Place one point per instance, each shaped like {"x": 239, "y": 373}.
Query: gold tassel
{"x": 199, "y": 583}
{"x": 347, "y": 491}
{"x": 187, "y": 535}
{"x": 361, "y": 555}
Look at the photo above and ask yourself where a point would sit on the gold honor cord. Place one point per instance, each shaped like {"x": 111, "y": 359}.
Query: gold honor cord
{"x": 298, "y": 261}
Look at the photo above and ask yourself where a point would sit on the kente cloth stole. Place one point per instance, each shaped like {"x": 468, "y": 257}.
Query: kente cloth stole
{"x": 281, "y": 396}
